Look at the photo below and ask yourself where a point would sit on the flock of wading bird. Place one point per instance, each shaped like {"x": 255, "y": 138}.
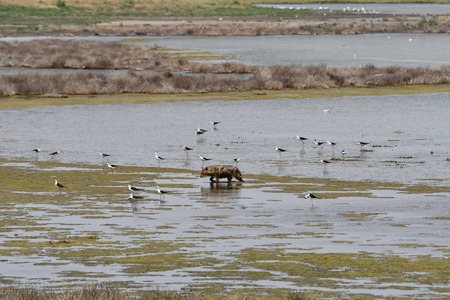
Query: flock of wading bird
{"x": 134, "y": 197}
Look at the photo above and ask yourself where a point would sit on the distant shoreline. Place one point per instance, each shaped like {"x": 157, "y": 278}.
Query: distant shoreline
{"x": 241, "y": 26}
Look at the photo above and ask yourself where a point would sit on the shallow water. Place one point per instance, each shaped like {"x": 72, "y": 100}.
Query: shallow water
{"x": 408, "y": 135}
{"x": 219, "y": 223}
{"x": 424, "y": 50}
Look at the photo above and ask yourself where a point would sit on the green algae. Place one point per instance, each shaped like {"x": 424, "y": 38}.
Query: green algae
{"x": 21, "y": 102}
{"x": 353, "y": 216}
{"x": 153, "y": 255}
{"x": 306, "y": 268}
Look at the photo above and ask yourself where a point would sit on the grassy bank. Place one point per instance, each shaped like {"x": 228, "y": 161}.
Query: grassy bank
{"x": 63, "y": 17}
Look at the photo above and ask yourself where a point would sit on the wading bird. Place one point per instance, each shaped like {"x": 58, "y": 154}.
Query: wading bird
{"x": 204, "y": 159}
{"x": 279, "y": 150}
{"x": 161, "y": 193}
{"x": 134, "y": 189}
{"x": 301, "y": 139}
{"x": 318, "y": 143}
{"x": 186, "y": 150}
{"x": 324, "y": 161}
{"x": 200, "y": 131}
{"x": 332, "y": 144}
{"x": 59, "y": 186}
{"x": 311, "y": 196}
{"x": 53, "y": 154}
{"x": 134, "y": 197}
{"x": 159, "y": 158}
{"x": 133, "y": 201}
{"x": 111, "y": 166}
{"x": 362, "y": 144}
{"x": 103, "y": 154}
{"x": 214, "y": 123}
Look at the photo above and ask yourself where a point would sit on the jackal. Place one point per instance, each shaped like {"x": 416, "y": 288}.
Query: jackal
{"x": 221, "y": 171}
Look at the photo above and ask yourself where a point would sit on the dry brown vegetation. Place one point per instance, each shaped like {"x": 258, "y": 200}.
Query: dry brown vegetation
{"x": 252, "y": 26}
{"x": 76, "y": 54}
{"x": 103, "y": 291}
{"x": 165, "y": 73}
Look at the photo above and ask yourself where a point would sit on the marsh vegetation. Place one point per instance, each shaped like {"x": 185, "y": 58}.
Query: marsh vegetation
{"x": 111, "y": 292}
{"x": 204, "y": 17}
{"x": 257, "y": 242}
{"x": 158, "y": 70}
{"x": 89, "y": 233}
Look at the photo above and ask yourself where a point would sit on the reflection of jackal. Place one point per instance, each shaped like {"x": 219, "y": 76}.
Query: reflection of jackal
{"x": 219, "y": 171}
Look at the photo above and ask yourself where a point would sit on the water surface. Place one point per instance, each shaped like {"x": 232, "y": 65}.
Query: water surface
{"x": 425, "y": 50}
{"x": 409, "y": 143}
{"x": 408, "y": 135}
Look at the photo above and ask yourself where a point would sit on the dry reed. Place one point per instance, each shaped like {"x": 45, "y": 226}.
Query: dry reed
{"x": 105, "y": 291}
{"x": 333, "y": 23}
{"x": 162, "y": 73}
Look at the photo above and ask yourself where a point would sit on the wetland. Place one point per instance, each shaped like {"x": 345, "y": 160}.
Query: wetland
{"x": 384, "y": 205}
{"x": 77, "y": 79}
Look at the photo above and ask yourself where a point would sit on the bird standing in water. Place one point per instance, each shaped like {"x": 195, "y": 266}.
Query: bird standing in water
{"x": 311, "y": 196}
{"x": 59, "y": 186}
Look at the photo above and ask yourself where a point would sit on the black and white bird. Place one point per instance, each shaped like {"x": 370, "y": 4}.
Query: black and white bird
{"x": 362, "y": 144}
{"x": 332, "y": 144}
{"x": 133, "y": 201}
{"x": 311, "y": 196}
{"x": 301, "y": 139}
{"x": 204, "y": 159}
{"x": 161, "y": 193}
{"x": 186, "y": 150}
{"x": 37, "y": 151}
{"x": 343, "y": 153}
{"x": 134, "y": 197}
{"x": 324, "y": 161}
{"x": 236, "y": 160}
{"x": 103, "y": 154}
{"x": 214, "y": 123}
{"x": 159, "y": 157}
{"x": 59, "y": 186}
{"x": 53, "y": 154}
{"x": 318, "y": 143}
{"x": 111, "y": 166}
{"x": 200, "y": 131}
{"x": 134, "y": 189}
{"x": 280, "y": 150}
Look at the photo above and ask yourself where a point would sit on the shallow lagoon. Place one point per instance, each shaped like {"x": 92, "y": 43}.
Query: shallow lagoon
{"x": 408, "y": 135}
{"x": 92, "y": 234}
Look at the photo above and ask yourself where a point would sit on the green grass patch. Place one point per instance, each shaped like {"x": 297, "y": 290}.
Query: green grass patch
{"x": 360, "y": 216}
{"x": 308, "y": 267}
